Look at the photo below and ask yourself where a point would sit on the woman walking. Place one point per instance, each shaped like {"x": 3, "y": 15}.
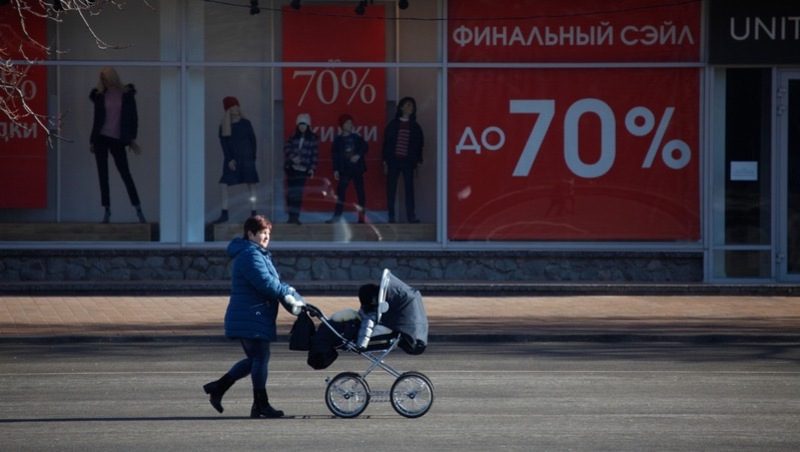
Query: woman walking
{"x": 256, "y": 291}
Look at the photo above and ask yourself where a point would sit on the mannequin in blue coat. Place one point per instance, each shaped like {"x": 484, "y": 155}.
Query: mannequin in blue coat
{"x": 256, "y": 291}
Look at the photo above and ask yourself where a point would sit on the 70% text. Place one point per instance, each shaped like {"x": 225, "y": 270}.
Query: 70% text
{"x": 639, "y": 121}
{"x": 327, "y": 83}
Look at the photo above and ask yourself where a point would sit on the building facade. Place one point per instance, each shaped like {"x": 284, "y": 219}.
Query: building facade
{"x": 625, "y": 141}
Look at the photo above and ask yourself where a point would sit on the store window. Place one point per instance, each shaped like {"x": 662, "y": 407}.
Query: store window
{"x": 339, "y": 189}
{"x": 86, "y": 173}
{"x": 600, "y": 153}
{"x": 742, "y": 207}
{"x": 98, "y": 173}
{"x": 231, "y": 33}
{"x": 128, "y": 32}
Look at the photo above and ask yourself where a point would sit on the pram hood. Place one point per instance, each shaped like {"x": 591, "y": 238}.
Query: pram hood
{"x": 405, "y": 312}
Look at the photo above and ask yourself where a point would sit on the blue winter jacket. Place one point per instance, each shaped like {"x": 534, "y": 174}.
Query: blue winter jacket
{"x": 256, "y": 291}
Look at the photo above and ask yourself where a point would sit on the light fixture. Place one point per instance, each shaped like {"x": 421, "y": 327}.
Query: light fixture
{"x": 361, "y": 8}
{"x": 403, "y": 4}
{"x": 254, "y": 9}
{"x": 295, "y": 4}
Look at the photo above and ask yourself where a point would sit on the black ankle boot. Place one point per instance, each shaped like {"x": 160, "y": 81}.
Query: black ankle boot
{"x": 223, "y": 217}
{"x": 216, "y": 389}
{"x": 107, "y": 215}
{"x": 261, "y": 406}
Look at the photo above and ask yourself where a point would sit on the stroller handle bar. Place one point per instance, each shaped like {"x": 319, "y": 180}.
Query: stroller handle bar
{"x": 314, "y": 311}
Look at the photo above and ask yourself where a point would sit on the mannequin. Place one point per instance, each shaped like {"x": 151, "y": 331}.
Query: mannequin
{"x": 402, "y": 154}
{"x": 348, "y": 155}
{"x": 114, "y": 129}
{"x": 300, "y": 160}
{"x": 238, "y": 143}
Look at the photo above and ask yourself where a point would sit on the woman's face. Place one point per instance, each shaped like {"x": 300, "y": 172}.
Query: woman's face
{"x": 260, "y": 238}
{"x": 302, "y": 127}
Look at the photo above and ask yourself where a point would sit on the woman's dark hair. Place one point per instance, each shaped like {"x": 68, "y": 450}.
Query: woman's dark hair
{"x": 368, "y": 296}
{"x": 399, "y": 111}
{"x": 256, "y": 223}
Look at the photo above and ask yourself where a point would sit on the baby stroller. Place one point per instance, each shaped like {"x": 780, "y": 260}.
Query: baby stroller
{"x": 401, "y": 321}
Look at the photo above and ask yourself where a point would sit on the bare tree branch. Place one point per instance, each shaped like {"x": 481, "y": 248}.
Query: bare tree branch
{"x": 15, "y": 63}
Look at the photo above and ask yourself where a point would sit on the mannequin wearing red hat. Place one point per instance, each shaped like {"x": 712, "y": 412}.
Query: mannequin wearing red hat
{"x": 348, "y": 154}
{"x": 300, "y": 160}
{"x": 238, "y": 143}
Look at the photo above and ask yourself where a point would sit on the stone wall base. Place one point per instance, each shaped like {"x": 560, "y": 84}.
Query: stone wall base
{"x": 185, "y": 267}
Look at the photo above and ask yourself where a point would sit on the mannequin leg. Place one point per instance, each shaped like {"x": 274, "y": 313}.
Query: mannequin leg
{"x": 223, "y": 216}
{"x": 391, "y": 191}
{"x": 101, "y": 157}
{"x": 358, "y": 181}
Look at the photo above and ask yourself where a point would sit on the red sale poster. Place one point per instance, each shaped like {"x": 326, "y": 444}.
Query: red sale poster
{"x": 574, "y": 31}
{"x": 23, "y": 143}
{"x": 334, "y": 33}
{"x": 573, "y": 154}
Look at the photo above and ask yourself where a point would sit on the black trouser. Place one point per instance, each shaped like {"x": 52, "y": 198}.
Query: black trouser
{"x": 341, "y": 191}
{"x": 102, "y": 146}
{"x": 295, "y": 185}
{"x": 256, "y": 364}
{"x": 393, "y": 172}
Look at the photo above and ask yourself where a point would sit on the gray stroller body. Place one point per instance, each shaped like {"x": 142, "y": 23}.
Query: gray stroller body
{"x": 402, "y": 323}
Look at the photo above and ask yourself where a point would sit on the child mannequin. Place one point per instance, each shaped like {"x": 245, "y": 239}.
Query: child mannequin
{"x": 349, "y": 151}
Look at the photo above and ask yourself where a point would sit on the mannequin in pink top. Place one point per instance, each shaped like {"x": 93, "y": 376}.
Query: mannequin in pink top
{"x": 113, "y": 131}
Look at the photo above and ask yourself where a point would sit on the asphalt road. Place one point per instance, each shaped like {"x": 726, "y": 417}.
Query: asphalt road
{"x": 489, "y": 397}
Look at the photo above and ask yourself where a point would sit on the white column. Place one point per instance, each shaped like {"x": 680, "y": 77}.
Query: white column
{"x": 194, "y": 126}
{"x": 170, "y": 118}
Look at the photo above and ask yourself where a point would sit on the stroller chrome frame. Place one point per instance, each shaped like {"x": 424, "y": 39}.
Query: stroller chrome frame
{"x": 348, "y": 394}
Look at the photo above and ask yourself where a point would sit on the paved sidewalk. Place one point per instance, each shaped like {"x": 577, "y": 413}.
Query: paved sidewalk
{"x": 510, "y": 318}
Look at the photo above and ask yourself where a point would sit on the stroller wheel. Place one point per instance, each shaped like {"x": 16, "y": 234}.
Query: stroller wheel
{"x": 347, "y": 395}
{"x": 412, "y": 394}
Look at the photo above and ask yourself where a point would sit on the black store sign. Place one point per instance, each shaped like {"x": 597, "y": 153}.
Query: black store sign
{"x": 754, "y": 32}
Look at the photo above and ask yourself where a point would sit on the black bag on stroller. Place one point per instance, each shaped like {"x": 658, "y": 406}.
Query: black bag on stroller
{"x": 323, "y": 345}
{"x": 302, "y": 333}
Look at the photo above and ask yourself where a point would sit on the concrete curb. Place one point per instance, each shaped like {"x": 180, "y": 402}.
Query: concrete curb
{"x": 595, "y": 337}
{"x": 475, "y": 288}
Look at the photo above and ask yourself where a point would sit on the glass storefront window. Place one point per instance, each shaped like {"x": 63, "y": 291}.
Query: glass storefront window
{"x": 76, "y": 168}
{"x": 742, "y": 189}
{"x": 743, "y": 264}
{"x": 534, "y": 153}
{"x": 131, "y": 32}
{"x": 793, "y": 177}
{"x": 747, "y": 157}
{"x": 275, "y": 103}
{"x": 418, "y": 29}
{"x": 232, "y": 33}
